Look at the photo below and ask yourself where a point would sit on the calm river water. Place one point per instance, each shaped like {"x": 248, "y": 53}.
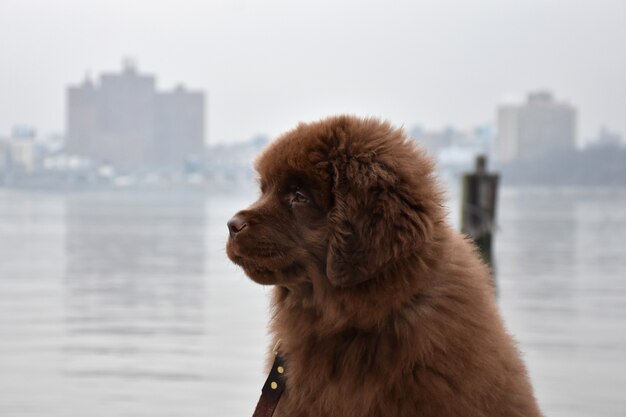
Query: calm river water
{"x": 125, "y": 304}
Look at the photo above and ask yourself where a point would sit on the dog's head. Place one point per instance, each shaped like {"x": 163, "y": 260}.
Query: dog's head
{"x": 344, "y": 198}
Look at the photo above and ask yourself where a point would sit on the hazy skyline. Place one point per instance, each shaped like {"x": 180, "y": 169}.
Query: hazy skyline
{"x": 265, "y": 65}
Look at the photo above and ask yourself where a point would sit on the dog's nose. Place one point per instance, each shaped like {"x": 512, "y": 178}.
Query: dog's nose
{"x": 236, "y": 225}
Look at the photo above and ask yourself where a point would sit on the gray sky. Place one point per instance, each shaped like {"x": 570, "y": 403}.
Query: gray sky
{"x": 268, "y": 64}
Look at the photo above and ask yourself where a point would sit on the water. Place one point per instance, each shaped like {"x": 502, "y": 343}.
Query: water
{"x": 562, "y": 268}
{"x": 126, "y": 305}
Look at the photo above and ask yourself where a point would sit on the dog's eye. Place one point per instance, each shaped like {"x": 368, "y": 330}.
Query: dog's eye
{"x": 299, "y": 198}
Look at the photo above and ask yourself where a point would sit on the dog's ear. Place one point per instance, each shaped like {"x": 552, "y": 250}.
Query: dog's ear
{"x": 374, "y": 221}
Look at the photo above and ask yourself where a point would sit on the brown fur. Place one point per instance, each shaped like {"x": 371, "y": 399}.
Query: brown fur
{"x": 382, "y": 308}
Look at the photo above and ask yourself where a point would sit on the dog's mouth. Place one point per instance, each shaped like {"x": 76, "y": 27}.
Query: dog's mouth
{"x": 260, "y": 262}
{"x": 257, "y": 273}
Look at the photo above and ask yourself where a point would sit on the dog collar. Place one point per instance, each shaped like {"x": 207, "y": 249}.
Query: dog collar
{"x": 273, "y": 387}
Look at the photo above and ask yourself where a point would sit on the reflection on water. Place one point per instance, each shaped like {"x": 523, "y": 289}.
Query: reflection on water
{"x": 126, "y": 305}
{"x": 135, "y": 287}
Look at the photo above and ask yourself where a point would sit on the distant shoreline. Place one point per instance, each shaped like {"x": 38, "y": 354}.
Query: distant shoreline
{"x": 250, "y": 188}
{"x": 602, "y": 166}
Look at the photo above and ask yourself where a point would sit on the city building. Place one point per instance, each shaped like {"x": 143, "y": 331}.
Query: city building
{"x": 18, "y": 152}
{"x": 538, "y": 127}
{"x": 5, "y": 155}
{"x": 455, "y": 149}
{"x": 23, "y": 155}
{"x": 606, "y": 139}
{"x": 124, "y": 121}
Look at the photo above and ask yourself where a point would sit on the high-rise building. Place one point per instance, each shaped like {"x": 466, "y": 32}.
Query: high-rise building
{"x": 538, "y": 127}
{"x": 178, "y": 114}
{"x": 124, "y": 121}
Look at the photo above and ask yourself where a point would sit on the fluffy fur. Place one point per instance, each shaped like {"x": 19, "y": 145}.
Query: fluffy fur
{"x": 381, "y": 308}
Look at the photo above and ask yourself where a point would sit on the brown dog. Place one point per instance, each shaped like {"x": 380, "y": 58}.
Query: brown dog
{"x": 382, "y": 309}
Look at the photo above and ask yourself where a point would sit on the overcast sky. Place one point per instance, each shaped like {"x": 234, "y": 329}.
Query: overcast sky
{"x": 268, "y": 64}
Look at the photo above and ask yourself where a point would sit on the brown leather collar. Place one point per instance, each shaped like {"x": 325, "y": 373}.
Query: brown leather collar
{"x": 272, "y": 390}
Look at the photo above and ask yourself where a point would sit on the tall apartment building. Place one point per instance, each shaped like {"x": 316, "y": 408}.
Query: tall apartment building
{"x": 538, "y": 127}
{"x": 124, "y": 121}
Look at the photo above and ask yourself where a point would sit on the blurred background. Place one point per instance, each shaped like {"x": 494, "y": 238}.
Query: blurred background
{"x": 127, "y": 135}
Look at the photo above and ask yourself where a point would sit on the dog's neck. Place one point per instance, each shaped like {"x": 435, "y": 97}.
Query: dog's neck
{"x": 314, "y": 313}
{"x": 319, "y": 312}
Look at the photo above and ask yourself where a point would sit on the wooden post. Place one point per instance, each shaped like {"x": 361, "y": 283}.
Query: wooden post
{"x": 478, "y": 208}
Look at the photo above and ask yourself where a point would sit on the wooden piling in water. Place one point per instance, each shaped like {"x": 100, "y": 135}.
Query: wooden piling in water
{"x": 478, "y": 208}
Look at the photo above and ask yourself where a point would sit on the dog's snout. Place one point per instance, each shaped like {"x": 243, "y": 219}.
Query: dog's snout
{"x": 236, "y": 224}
